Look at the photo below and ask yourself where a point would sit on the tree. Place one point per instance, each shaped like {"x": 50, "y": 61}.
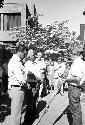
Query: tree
{"x": 55, "y": 36}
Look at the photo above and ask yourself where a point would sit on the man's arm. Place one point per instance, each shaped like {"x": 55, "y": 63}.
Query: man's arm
{"x": 73, "y": 79}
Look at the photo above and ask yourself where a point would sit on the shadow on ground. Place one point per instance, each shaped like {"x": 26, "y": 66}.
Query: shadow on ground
{"x": 5, "y": 109}
{"x": 66, "y": 111}
{"x": 41, "y": 105}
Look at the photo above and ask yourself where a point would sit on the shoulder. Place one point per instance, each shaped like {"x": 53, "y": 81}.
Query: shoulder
{"x": 78, "y": 59}
{"x": 56, "y": 64}
{"x": 12, "y": 60}
{"x": 78, "y": 62}
{"x": 27, "y": 63}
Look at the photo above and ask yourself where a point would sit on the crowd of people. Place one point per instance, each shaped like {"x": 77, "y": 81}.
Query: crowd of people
{"x": 35, "y": 75}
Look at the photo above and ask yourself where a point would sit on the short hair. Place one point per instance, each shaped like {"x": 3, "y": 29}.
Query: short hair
{"x": 21, "y": 48}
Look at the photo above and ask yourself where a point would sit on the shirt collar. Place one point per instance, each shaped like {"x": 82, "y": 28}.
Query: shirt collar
{"x": 16, "y": 57}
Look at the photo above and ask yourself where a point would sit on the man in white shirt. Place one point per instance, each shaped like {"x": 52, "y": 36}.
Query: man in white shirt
{"x": 31, "y": 66}
{"x": 59, "y": 68}
{"x": 16, "y": 80}
{"x": 40, "y": 63}
{"x": 50, "y": 73}
{"x": 75, "y": 79}
{"x": 33, "y": 77}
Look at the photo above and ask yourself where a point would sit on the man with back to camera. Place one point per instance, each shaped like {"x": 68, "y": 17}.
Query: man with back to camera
{"x": 33, "y": 77}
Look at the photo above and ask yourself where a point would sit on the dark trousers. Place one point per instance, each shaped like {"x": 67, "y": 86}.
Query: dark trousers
{"x": 74, "y": 94}
{"x": 45, "y": 87}
{"x": 5, "y": 82}
{"x": 31, "y": 110}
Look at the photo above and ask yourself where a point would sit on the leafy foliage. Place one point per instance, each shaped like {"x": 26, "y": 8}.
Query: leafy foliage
{"x": 48, "y": 37}
{"x": 55, "y": 36}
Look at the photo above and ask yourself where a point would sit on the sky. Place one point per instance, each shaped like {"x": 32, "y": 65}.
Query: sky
{"x": 59, "y": 10}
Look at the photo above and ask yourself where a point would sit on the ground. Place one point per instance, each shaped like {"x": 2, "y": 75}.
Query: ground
{"x": 53, "y": 110}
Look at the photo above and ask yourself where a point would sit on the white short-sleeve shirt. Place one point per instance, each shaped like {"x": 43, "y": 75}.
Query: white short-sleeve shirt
{"x": 77, "y": 68}
{"x": 32, "y": 67}
{"x": 16, "y": 74}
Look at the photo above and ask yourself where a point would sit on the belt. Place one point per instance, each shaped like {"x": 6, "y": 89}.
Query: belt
{"x": 73, "y": 84}
{"x": 15, "y": 86}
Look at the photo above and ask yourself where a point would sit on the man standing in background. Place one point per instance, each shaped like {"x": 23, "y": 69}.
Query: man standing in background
{"x": 40, "y": 63}
{"x": 33, "y": 77}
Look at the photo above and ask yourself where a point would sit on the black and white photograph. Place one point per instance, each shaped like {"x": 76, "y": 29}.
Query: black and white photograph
{"x": 42, "y": 62}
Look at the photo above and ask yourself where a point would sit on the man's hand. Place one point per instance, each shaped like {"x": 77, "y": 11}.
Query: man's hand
{"x": 73, "y": 79}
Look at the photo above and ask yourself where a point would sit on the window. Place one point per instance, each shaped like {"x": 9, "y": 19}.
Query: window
{"x": 84, "y": 34}
{"x": 11, "y": 20}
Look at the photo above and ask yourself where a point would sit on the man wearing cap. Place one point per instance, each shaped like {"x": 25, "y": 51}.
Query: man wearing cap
{"x": 75, "y": 79}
